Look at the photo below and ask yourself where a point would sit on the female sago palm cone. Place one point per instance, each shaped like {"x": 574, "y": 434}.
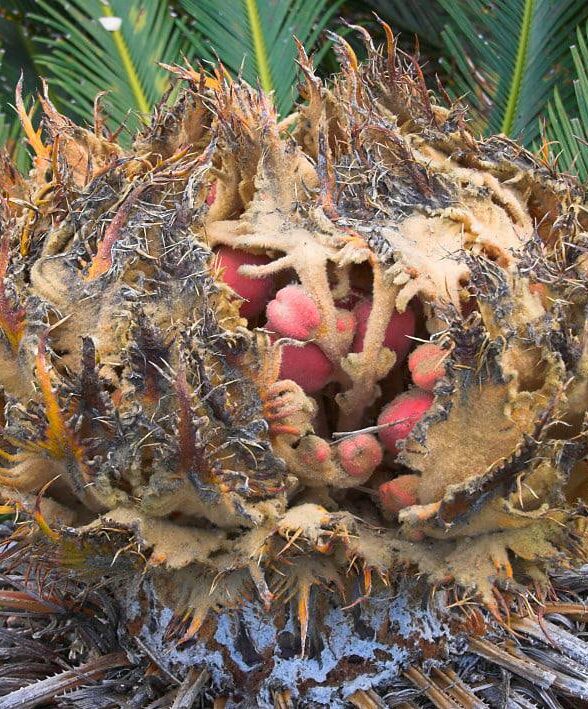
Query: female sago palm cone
{"x": 266, "y": 368}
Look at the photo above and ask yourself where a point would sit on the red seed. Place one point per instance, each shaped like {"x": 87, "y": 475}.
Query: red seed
{"x": 360, "y": 455}
{"x": 400, "y": 328}
{"x": 293, "y": 313}
{"x": 255, "y": 291}
{"x": 308, "y": 366}
{"x": 314, "y": 451}
{"x": 399, "y": 493}
{"x": 427, "y": 365}
{"x": 405, "y": 411}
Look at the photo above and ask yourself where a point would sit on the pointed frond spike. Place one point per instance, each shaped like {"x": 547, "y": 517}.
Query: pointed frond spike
{"x": 367, "y": 580}
{"x": 103, "y": 259}
{"x": 196, "y": 622}
{"x": 390, "y": 46}
{"x": 56, "y": 428}
{"x": 39, "y": 517}
{"x": 60, "y": 440}
{"x": 42, "y": 151}
{"x": 188, "y": 73}
{"x": 304, "y": 588}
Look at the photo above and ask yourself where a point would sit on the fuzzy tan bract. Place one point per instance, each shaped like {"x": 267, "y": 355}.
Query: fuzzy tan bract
{"x": 145, "y": 417}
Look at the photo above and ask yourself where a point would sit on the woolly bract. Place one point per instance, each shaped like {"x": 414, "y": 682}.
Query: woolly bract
{"x": 150, "y": 438}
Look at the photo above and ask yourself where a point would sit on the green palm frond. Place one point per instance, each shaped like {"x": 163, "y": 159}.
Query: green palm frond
{"x": 11, "y": 138}
{"x": 86, "y": 55}
{"x": 424, "y": 19}
{"x": 17, "y": 58}
{"x": 509, "y": 55}
{"x": 18, "y": 47}
{"x": 570, "y": 128}
{"x": 11, "y": 134}
{"x": 254, "y": 37}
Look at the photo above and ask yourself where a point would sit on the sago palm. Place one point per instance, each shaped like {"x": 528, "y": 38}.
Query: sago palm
{"x": 293, "y": 396}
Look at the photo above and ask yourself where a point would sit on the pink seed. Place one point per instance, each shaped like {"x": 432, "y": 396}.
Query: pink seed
{"x": 400, "y": 328}
{"x": 427, "y": 365}
{"x": 360, "y": 455}
{"x": 404, "y": 412}
{"x": 255, "y": 291}
{"x": 308, "y": 366}
{"x": 293, "y": 313}
{"x": 399, "y": 493}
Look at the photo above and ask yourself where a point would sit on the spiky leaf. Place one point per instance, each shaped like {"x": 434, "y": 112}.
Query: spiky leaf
{"x": 90, "y": 55}
{"x": 570, "y": 128}
{"x": 509, "y": 55}
{"x": 254, "y": 37}
{"x": 425, "y": 19}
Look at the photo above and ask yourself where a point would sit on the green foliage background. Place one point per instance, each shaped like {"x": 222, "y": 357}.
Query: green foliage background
{"x": 522, "y": 65}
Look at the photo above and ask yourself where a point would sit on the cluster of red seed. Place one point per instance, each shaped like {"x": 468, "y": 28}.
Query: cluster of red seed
{"x": 292, "y": 313}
